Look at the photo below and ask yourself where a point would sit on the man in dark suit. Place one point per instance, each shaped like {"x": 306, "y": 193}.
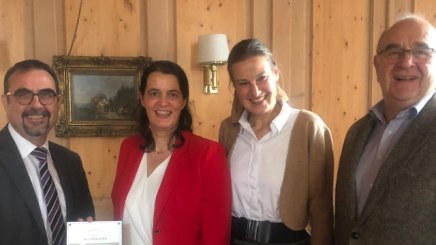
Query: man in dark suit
{"x": 31, "y": 101}
{"x": 386, "y": 185}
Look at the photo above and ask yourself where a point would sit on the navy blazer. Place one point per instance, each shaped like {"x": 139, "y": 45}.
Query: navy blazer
{"x": 21, "y": 221}
{"x": 401, "y": 207}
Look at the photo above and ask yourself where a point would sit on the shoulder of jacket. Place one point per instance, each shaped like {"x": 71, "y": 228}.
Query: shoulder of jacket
{"x": 60, "y": 148}
{"x": 198, "y": 141}
{"x": 306, "y": 117}
{"x": 132, "y": 140}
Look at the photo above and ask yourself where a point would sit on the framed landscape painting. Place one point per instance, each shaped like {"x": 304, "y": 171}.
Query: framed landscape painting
{"x": 99, "y": 94}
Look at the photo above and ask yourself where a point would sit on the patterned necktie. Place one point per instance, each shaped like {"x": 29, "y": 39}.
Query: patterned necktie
{"x": 54, "y": 212}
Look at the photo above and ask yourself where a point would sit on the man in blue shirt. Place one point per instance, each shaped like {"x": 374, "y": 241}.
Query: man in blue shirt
{"x": 386, "y": 185}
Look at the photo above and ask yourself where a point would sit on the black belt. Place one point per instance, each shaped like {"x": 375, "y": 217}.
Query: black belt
{"x": 265, "y": 232}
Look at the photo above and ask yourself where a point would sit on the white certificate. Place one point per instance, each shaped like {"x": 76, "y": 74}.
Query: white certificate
{"x": 96, "y": 232}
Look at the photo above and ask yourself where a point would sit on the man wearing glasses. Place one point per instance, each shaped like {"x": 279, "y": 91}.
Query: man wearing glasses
{"x": 386, "y": 185}
{"x": 42, "y": 184}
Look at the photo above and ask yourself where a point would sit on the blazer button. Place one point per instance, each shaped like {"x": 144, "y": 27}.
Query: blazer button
{"x": 355, "y": 235}
{"x": 156, "y": 231}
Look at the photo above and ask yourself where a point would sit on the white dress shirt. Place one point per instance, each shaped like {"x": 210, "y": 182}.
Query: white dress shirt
{"x": 257, "y": 167}
{"x": 32, "y": 165}
{"x": 139, "y": 208}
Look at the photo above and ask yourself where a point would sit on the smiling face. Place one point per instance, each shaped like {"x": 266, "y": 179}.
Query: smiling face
{"x": 163, "y": 102}
{"x": 405, "y": 81}
{"x": 255, "y": 82}
{"x": 32, "y": 121}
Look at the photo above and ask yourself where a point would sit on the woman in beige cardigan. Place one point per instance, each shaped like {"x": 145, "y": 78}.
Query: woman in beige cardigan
{"x": 281, "y": 158}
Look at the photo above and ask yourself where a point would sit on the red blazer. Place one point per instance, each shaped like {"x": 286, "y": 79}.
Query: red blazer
{"x": 193, "y": 204}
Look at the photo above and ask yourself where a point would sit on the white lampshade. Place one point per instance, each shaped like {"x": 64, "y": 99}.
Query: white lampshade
{"x": 212, "y": 48}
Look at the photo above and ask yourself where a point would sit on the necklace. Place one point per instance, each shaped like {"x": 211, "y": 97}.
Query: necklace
{"x": 160, "y": 152}
{"x": 169, "y": 147}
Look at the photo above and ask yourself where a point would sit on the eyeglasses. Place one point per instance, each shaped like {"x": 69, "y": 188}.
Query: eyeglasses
{"x": 418, "y": 54}
{"x": 25, "y": 96}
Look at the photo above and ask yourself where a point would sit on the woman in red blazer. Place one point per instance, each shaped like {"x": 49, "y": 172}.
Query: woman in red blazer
{"x": 171, "y": 186}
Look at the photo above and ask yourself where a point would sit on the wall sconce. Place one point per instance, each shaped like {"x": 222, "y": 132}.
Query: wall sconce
{"x": 212, "y": 52}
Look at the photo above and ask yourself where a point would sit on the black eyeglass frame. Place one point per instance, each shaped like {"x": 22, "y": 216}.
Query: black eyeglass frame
{"x": 45, "y": 96}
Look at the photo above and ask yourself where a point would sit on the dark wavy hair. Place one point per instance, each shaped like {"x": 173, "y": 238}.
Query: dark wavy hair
{"x": 27, "y": 65}
{"x": 185, "y": 120}
{"x": 246, "y": 49}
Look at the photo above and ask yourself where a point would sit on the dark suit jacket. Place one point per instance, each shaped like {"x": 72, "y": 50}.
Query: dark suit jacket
{"x": 401, "y": 207}
{"x": 20, "y": 217}
{"x": 193, "y": 204}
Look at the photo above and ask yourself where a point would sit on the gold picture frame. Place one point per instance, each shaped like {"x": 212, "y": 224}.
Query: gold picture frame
{"x": 99, "y": 94}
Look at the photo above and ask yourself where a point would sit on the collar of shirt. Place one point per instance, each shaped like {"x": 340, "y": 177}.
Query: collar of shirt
{"x": 24, "y": 146}
{"x": 277, "y": 123}
{"x": 413, "y": 111}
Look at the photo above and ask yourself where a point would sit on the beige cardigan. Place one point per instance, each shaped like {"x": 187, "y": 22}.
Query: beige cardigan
{"x": 306, "y": 196}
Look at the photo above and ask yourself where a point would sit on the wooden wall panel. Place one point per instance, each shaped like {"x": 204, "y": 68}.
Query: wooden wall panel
{"x": 281, "y": 40}
{"x": 160, "y": 23}
{"x": 378, "y": 24}
{"x": 49, "y": 29}
{"x": 8, "y": 38}
{"x": 12, "y": 34}
{"x": 340, "y": 64}
{"x": 324, "y": 48}
{"x": 16, "y": 37}
{"x": 261, "y": 20}
{"x": 99, "y": 157}
{"x": 291, "y": 46}
{"x": 109, "y": 28}
{"x": 210, "y": 17}
{"x": 397, "y": 8}
{"x": 427, "y": 8}
{"x": 243, "y": 22}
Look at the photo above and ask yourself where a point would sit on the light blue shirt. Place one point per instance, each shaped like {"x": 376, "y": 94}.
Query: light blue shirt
{"x": 382, "y": 140}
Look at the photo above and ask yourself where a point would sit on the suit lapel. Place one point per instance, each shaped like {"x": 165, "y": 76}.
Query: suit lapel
{"x": 411, "y": 141}
{"x": 10, "y": 160}
{"x": 357, "y": 142}
{"x": 178, "y": 161}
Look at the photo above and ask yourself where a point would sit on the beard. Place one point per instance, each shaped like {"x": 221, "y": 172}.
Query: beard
{"x": 39, "y": 127}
